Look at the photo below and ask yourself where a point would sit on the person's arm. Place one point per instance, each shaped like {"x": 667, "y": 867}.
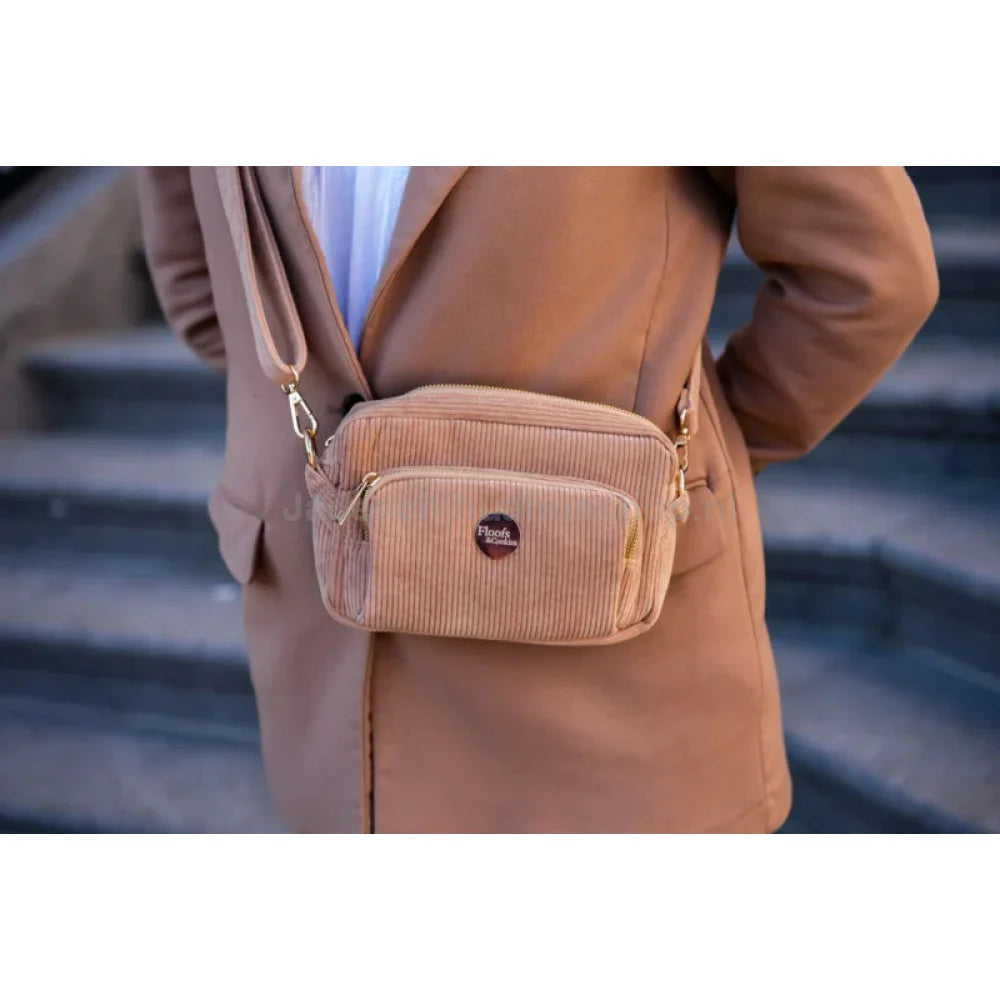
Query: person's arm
{"x": 850, "y": 279}
{"x": 176, "y": 255}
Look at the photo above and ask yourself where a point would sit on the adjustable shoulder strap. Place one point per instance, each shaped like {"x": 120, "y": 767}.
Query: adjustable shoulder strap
{"x": 242, "y": 204}
{"x": 256, "y": 248}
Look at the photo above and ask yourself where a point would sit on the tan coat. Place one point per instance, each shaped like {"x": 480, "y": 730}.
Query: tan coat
{"x": 588, "y": 282}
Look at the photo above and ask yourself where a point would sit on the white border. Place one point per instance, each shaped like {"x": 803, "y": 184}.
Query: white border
{"x": 494, "y": 916}
{"x": 519, "y": 83}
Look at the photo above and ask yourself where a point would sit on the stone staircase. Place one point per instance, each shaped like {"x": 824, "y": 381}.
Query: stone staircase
{"x": 124, "y": 697}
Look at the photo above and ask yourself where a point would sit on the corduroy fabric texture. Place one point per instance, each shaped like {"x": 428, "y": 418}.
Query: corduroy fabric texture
{"x": 591, "y": 490}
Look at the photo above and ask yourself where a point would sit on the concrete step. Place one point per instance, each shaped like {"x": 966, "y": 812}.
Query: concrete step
{"x": 113, "y": 733}
{"x": 125, "y": 702}
{"x": 969, "y": 264}
{"x": 968, "y": 258}
{"x": 918, "y": 565}
{"x": 886, "y": 739}
{"x": 951, "y": 193}
{"x": 66, "y": 770}
{"x": 880, "y": 740}
{"x": 125, "y": 705}
{"x": 959, "y": 319}
{"x": 938, "y": 409}
{"x": 957, "y": 174}
{"x": 95, "y": 495}
{"x": 135, "y": 382}
{"x": 127, "y": 640}
{"x": 69, "y": 260}
{"x": 936, "y": 412}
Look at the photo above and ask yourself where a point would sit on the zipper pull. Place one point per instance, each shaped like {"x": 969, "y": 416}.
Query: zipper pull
{"x": 365, "y": 485}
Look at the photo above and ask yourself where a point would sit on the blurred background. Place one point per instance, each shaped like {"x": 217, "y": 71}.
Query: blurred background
{"x": 125, "y": 703}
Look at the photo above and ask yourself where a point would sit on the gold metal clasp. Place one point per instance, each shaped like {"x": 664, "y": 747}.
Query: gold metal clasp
{"x": 303, "y": 420}
{"x": 681, "y": 448}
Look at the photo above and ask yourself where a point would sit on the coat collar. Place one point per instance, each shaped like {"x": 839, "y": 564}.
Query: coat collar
{"x": 425, "y": 192}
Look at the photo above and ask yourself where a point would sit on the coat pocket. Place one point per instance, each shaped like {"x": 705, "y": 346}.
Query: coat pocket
{"x": 702, "y": 537}
{"x": 239, "y": 532}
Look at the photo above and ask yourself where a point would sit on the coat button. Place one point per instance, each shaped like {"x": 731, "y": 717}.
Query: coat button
{"x": 350, "y": 401}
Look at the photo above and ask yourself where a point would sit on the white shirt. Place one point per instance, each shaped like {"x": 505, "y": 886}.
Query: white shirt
{"x": 353, "y": 210}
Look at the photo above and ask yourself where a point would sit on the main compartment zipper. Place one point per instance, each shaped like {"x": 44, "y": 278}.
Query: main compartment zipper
{"x": 530, "y": 392}
{"x": 522, "y": 392}
{"x": 678, "y": 447}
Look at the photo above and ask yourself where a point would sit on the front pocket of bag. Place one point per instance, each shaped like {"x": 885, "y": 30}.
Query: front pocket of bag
{"x": 499, "y": 555}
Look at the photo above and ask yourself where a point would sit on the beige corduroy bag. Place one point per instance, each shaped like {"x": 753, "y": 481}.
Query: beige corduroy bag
{"x": 476, "y": 511}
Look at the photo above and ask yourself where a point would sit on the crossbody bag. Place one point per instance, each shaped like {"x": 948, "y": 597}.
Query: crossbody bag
{"x": 475, "y": 511}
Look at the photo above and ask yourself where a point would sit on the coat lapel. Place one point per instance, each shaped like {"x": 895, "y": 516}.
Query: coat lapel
{"x": 425, "y": 192}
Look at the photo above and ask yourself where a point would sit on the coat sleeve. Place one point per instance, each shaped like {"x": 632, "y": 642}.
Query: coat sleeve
{"x": 176, "y": 254}
{"x": 849, "y": 279}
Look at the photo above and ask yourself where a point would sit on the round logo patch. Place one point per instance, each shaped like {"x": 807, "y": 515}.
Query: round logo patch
{"x": 497, "y": 535}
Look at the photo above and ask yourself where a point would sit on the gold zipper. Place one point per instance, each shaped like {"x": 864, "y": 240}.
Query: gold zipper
{"x": 529, "y": 392}
{"x": 633, "y": 537}
{"x": 356, "y": 497}
{"x": 683, "y": 438}
{"x": 360, "y": 495}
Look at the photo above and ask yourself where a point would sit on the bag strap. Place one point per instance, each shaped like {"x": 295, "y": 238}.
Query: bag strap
{"x": 241, "y": 202}
{"x": 257, "y": 251}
